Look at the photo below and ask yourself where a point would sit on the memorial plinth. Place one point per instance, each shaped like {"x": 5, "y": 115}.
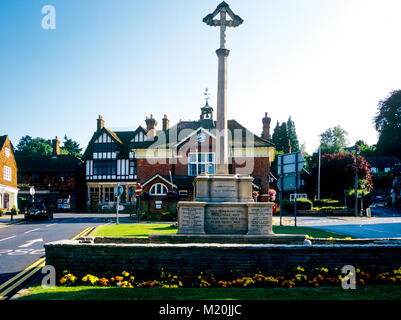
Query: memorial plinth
{"x": 224, "y": 206}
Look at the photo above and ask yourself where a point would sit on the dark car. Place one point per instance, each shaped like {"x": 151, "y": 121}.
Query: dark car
{"x": 38, "y": 211}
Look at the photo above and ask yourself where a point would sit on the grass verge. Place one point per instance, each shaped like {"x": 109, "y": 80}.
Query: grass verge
{"x": 144, "y": 229}
{"x": 373, "y": 292}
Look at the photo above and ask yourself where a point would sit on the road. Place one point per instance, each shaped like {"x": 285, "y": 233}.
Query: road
{"x": 384, "y": 223}
{"x": 21, "y": 244}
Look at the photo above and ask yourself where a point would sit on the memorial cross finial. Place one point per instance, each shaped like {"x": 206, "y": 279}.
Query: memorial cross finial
{"x": 223, "y": 9}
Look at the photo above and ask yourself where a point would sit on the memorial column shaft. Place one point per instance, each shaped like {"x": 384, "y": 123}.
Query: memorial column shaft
{"x": 221, "y": 121}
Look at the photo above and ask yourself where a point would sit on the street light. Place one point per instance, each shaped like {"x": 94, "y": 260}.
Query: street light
{"x": 356, "y": 181}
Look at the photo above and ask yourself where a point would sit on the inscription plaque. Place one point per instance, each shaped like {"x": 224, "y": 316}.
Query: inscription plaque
{"x": 191, "y": 219}
{"x": 223, "y": 219}
{"x": 260, "y": 220}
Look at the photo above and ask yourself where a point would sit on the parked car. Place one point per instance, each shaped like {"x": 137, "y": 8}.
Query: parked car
{"x": 378, "y": 201}
{"x": 38, "y": 211}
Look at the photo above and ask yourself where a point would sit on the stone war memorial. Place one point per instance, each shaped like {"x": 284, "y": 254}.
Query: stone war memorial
{"x": 223, "y": 202}
{"x": 223, "y": 229}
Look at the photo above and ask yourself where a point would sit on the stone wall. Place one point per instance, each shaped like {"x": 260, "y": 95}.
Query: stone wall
{"x": 148, "y": 258}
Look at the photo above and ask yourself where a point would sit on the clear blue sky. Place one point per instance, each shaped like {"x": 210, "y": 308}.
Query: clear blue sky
{"x": 324, "y": 62}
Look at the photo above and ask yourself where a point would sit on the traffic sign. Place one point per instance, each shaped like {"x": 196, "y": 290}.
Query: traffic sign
{"x": 118, "y": 190}
{"x": 32, "y": 191}
{"x": 290, "y": 163}
{"x": 138, "y": 190}
{"x": 287, "y": 183}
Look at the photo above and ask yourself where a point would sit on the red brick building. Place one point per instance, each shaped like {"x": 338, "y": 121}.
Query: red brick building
{"x": 58, "y": 179}
{"x": 8, "y": 175}
{"x": 165, "y": 162}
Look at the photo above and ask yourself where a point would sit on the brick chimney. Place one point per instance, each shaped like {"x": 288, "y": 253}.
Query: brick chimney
{"x": 266, "y": 127}
{"x": 56, "y": 147}
{"x": 100, "y": 123}
{"x": 166, "y": 123}
{"x": 151, "y": 125}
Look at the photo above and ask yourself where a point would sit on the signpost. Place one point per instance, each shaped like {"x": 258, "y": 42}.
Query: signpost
{"x": 138, "y": 192}
{"x": 118, "y": 191}
{"x": 32, "y": 193}
{"x": 289, "y": 168}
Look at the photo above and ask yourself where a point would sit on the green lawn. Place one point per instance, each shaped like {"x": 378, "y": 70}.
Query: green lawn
{"x": 144, "y": 229}
{"x": 384, "y": 292}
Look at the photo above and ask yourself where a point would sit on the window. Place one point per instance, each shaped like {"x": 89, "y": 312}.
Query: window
{"x": 140, "y": 137}
{"x": 158, "y": 189}
{"x": 202, "y": 162}
{"x": 7, "y": 173}
{"x": 7, "y": 152}
{"x": 35, "y": 177}
{"x": 104, "y": 147}
{"x": 109, "y": 194}
{"x": 374, "y": 170}
{"x": 62, "y": 177}
{"x": 104, "y": 167}
{"x": 132, "y": 167}
{"x": 387, "y": 170}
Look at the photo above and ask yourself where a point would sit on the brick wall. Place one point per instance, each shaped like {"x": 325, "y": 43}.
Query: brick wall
{"x": 143, "y": 258}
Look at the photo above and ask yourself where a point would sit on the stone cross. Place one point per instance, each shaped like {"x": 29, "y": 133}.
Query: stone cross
{"x": 221, "y": 122}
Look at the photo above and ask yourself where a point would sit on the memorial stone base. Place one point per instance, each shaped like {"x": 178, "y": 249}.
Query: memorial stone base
{"x": 224, "y": 206}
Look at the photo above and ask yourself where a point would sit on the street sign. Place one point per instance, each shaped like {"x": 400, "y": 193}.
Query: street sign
{"x": 287, "y": 183}
{"x": 138, "y": 190}
{"x": 32, "y": 191}
{"x": 290, "y": 163}
{"x": 118, "y": 190}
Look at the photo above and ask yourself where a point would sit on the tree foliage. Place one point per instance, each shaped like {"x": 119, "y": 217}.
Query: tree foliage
{"x": 283, "y": 134}
{"x": 39, "y": 146}
{"x": 337, "y": 174}
{"x": 71, "y": 147}
{"x": 388, "y": 124}
{"x": 333, "y": 140}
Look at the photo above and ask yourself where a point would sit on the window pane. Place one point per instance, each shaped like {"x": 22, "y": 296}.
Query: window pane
{"x": 211, "y": 157}
{"x": 158, "y": 188}
{"x": 201, "y": 157}
{"x": 201, "y": 168}
{"x": 192, "y": 170}
{"x": 211, "y": 169}
{"x": 192, "y": 157}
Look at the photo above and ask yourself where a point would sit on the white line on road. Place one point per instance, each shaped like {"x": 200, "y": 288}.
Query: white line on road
{"x": 49, "y": 225}
{"x": 7, "y": 238}
{"x": 30, "y": 242}
{"x": 31, "y": 230}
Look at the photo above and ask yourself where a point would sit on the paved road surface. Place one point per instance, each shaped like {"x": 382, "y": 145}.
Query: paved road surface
{"x": 384, "y": 223}
{"x": 22, "y": 244}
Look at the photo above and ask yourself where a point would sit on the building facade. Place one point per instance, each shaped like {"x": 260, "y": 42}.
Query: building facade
{"x": 165, "y": 162}
{"x": 8, "y": 175}
{"x": 58, "y": 180}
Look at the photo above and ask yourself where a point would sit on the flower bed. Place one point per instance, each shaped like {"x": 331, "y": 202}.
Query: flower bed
{"x": 298, "y": 277}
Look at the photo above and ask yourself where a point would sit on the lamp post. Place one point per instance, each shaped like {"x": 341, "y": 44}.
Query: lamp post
{"x": 318, "y": 177}
{"x": 345, "y": 199}
{"x": 356, "y": 182}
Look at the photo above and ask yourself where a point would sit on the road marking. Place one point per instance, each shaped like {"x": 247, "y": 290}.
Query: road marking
{"x": 10, "y": 225}
{"x": 19, "y": 282}
{"x": 21, "y": 273}
{"x": 32, "y": 230}
{"x": 7, "y": 238}
{"x": 49, "y": 225}
{"x": 36, "y": 266}
{"x": 30, "y": 242}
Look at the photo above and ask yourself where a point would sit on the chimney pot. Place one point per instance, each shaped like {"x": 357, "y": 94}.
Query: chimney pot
{"x": 100, "y": 123}
{"x": 266, "y": 127}
{"x": 166, "y": 123}
{"x": 56, "y": 147}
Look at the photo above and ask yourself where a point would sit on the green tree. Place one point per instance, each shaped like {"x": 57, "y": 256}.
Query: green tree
{"x": 280, "y": 137}
{"x": 292, "y": 135}
{"x": 38, "y": 146}
{"x": 366, "y": 150}
{"x": 71, "y": 147}
{"x": 388, "y": 124}
{"x": 333, "y": 140}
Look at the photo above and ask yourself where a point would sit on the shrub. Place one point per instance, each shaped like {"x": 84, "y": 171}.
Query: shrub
{"x": 14, "y": 210}
{"x": 327, "y": 203}
{"x": 2, "y": 212}
{"x": 302, "y": 204}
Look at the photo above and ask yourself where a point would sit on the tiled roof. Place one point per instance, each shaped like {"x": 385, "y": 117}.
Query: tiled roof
{"x": 167, "y": 139}
{"x": 2, "y": 140}
{"x": 383, "y": 162}
{"x": 29, "y": 163}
